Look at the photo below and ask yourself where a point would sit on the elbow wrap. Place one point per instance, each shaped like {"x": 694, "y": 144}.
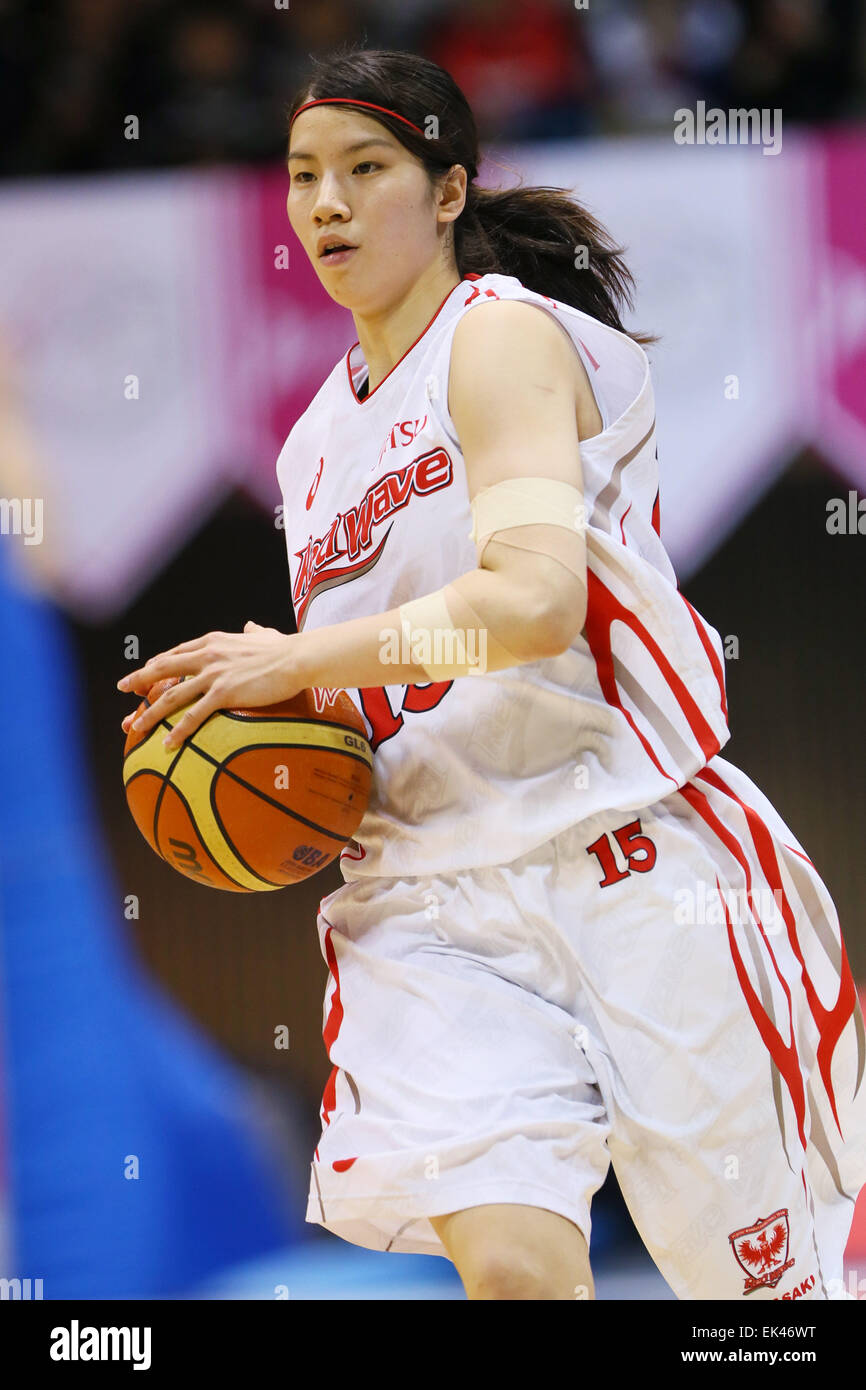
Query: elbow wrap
{"x": 443, "y": 650}
{"x": 549, "y": 517}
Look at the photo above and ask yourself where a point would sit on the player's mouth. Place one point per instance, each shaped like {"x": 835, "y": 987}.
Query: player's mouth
{"x": 338, "y": 254}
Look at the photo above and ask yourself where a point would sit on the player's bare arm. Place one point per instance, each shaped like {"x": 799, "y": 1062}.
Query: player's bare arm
{"x": 512, "y": 397}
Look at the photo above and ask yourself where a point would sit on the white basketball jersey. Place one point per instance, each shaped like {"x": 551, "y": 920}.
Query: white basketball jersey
{"x": 481, "y": 769}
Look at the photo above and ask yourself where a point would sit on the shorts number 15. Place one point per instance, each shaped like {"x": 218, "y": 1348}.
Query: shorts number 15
{"x": 638, "y": 850}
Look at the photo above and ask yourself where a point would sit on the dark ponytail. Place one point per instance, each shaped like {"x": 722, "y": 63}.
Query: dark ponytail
{"x": 539, "y": 235}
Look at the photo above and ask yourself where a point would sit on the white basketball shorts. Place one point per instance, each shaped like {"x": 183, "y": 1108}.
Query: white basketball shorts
{"x": 666, "y": 991}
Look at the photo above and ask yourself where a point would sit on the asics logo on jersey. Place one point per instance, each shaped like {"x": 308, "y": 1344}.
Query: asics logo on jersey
{"x": 312, "y": 492}
{"x": 346, "y": 549}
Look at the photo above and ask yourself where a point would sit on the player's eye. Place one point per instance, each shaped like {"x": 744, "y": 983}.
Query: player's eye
{"x": 304, "y": 174}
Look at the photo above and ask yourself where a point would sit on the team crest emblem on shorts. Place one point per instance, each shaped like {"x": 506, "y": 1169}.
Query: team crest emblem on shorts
{"x": 762, "y": 1250}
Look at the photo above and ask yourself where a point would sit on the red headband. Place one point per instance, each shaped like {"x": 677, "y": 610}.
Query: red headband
{"x": 351, "y": 101}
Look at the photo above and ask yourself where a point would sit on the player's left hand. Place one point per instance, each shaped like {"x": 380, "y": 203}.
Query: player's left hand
{"x": 224, "y": 670}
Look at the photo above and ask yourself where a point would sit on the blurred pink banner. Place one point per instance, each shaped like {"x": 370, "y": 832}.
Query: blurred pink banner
{"x": 840, "y": 206}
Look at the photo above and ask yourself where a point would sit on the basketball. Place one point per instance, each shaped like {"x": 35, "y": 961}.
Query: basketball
{"x": 254, "y": 799}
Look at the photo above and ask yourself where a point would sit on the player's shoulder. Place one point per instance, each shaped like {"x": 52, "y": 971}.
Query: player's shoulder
{"x": 502, "y": 336}
{"x": 526, "y": 319}
{"x": 500, "y": 306}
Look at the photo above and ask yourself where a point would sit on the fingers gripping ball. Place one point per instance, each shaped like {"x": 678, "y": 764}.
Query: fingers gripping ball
{"x": 255, "y": 799}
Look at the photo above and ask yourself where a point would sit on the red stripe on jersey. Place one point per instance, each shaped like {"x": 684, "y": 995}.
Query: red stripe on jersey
{"x": 603, "y": 610}
{"x": 784, "y": 1055}
{"x": 622, "y": 523}
{"x": 356, "y": 858}
{"x": 588, "y": 353}
{"x": 329, "y": 1096}
{"x": 477, "y": 294}
{"x": 800, "y": 855}
{"x": 332, "y": 1027}
{"x": 711, "y": 653}
{"x": 831, "y": 1022}
{"x": 342, "y": 1165}
{"x": 657, "y": 517}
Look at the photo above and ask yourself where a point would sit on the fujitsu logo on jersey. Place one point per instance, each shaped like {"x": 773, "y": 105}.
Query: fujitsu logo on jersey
{"x": 408, "y": 429}
{"x": 346, "y": 550}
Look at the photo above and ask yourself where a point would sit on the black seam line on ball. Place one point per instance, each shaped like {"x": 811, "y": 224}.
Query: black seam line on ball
{"x": 166, "y": 778}
{"x": 233, "y": 847}
{"x": 219, "y": 868}
{"x": 272, "y": 801}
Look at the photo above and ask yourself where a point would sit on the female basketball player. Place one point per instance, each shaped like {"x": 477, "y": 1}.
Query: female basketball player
{"x": 569, "y": 932}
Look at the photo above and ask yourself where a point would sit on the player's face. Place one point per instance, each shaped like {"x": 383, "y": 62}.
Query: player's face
{"x": 377, "y": 198}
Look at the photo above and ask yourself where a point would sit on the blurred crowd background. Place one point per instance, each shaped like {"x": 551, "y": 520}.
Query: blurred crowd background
{"x": 209, "y": 79}
{"x": 138, "y": 1010}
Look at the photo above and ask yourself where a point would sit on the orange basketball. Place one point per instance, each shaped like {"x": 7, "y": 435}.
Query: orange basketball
{"x": 255, "y": 799}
